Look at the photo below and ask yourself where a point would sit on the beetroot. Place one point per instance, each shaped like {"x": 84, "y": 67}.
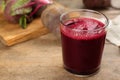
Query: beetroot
{"x": 15, "y": 10}
{"x": 92, "y": 4}
{"x": 7, "y": 11}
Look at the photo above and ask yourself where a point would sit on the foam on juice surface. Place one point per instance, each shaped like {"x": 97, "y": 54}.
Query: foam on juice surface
{"x": 83, "y": 28}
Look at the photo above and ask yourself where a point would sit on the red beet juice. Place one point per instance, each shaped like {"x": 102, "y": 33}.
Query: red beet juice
{"x": 82, "y": 45}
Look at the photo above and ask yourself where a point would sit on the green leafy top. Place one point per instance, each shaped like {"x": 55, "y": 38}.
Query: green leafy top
{"x": 18, "y": 8}
{"x": 22, "y": 11}
{"x": 23, "y": 21}
{"x": 3, "y": 5}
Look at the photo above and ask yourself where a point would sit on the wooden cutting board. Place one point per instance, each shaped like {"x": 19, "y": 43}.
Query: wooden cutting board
{"x": 11, "y": 34}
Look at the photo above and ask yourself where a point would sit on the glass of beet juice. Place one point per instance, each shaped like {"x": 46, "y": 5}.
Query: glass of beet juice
{"x": 83, "y": 35}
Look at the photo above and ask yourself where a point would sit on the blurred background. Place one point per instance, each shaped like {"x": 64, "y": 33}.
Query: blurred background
{"x": 89, "y": 3}
{"x": 71, "y": 3}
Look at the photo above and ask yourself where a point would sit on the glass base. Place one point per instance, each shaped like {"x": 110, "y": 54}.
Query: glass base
{"x": 83, "y": 74}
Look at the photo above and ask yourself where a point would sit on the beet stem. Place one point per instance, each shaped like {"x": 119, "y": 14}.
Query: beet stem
{"x": 36, "y": 9}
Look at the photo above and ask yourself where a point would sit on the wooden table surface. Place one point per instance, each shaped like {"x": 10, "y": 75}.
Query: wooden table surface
{"x": 41, "y": 59}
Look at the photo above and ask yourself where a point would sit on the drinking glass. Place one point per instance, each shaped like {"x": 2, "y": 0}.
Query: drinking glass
{"x": 83, "y": 35}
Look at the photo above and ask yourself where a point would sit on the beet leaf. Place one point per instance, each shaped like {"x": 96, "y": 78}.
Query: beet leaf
{"x": 17, "y": 10}
{"x": 23, "y": 22}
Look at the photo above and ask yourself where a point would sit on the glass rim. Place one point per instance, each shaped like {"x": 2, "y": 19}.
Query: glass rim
{"x": 86, "y": 10}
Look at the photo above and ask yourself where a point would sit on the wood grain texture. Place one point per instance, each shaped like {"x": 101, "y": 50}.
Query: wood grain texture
{"x": 11, "y": 34}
